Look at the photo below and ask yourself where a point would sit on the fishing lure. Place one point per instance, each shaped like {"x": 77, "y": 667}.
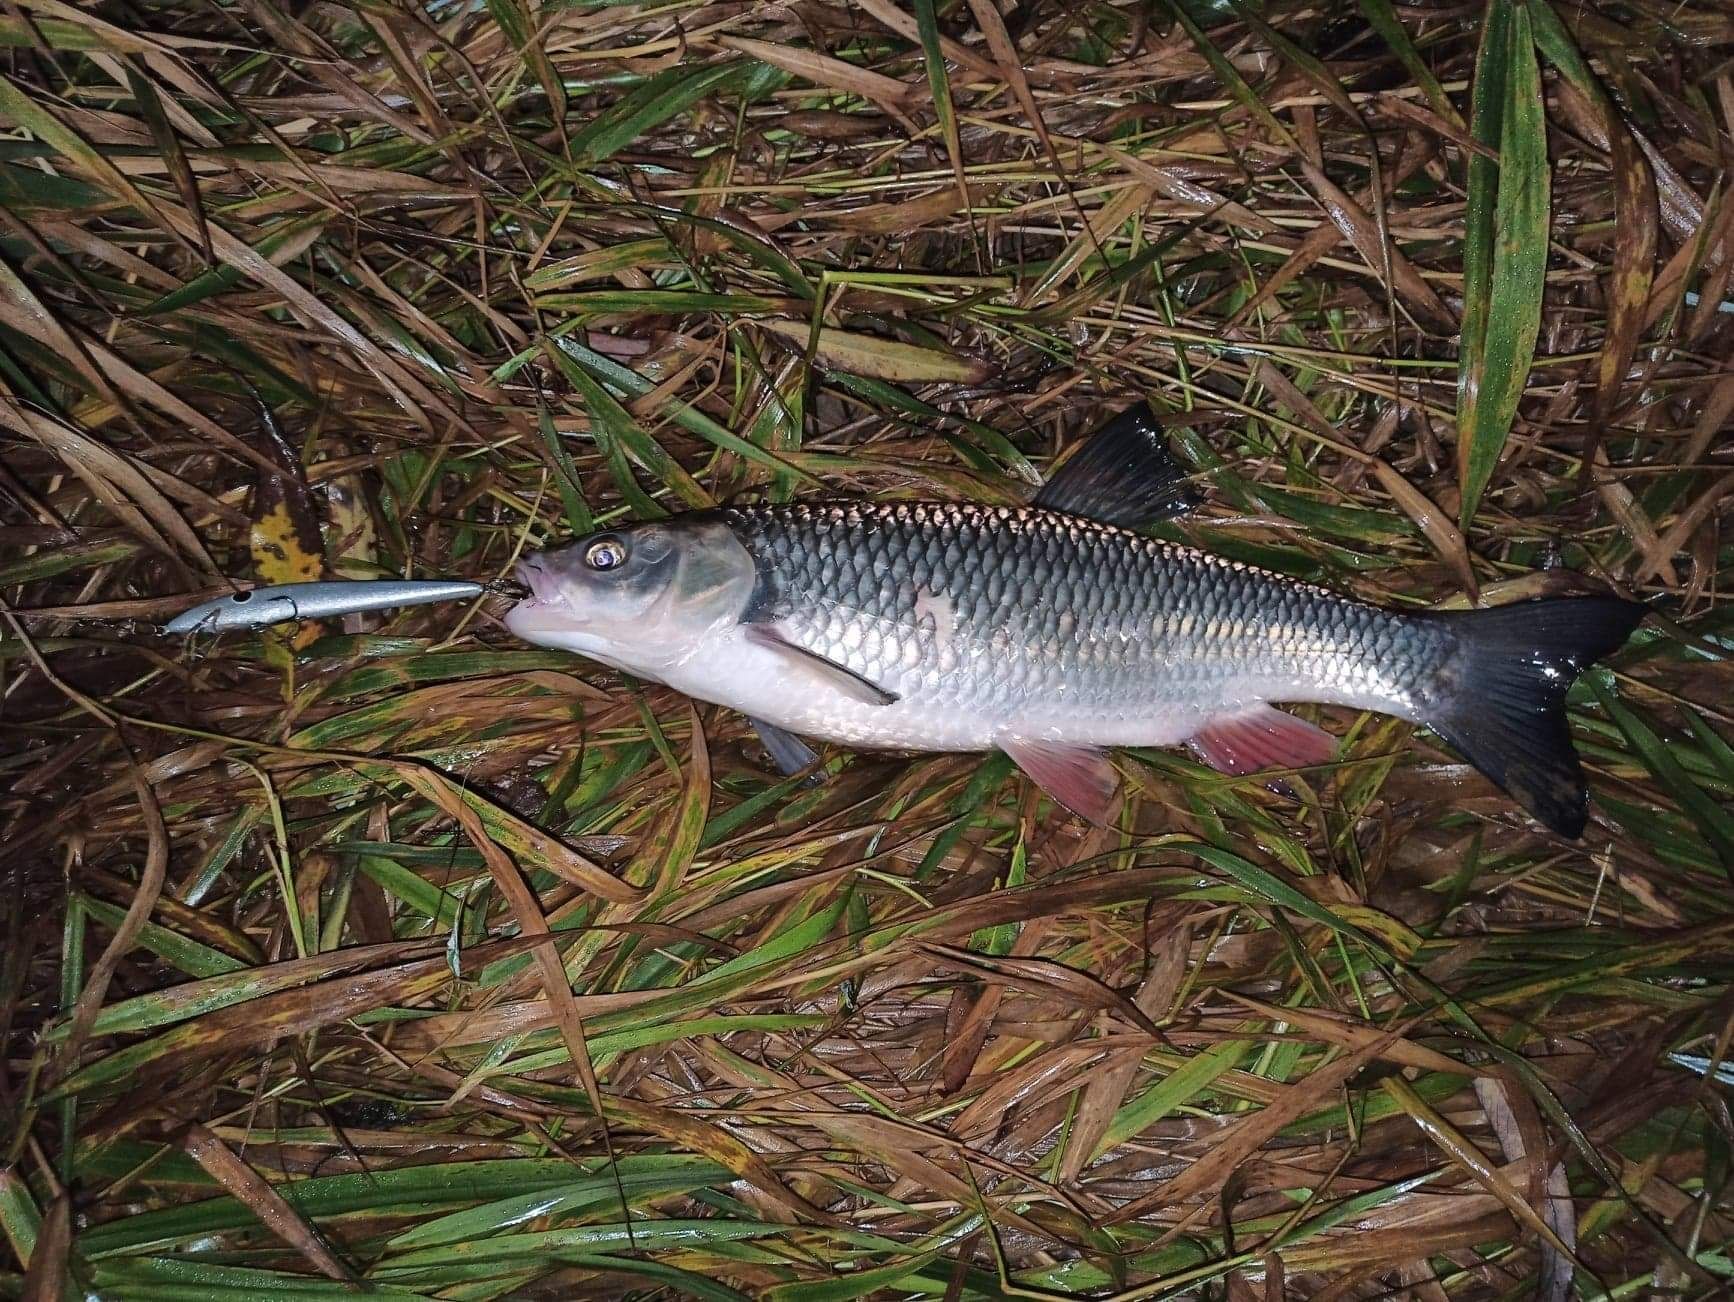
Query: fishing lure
{"x": 280, "y": 603}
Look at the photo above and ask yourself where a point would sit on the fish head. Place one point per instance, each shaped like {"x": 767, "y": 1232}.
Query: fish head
{"x": 643, "y": 598}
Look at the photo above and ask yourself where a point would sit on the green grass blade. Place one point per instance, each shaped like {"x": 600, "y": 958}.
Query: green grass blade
{"x": 666, "y": 95}
{"x": 1505, "y": 247}
{"x": 1382, "y": 16}
{"x": 1709, "y": 815}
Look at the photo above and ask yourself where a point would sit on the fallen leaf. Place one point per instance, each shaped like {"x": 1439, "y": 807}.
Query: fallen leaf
{"x": 881, "y": 359}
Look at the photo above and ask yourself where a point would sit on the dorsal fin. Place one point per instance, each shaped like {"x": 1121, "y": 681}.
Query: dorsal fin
{"x": 1123, "y": 474}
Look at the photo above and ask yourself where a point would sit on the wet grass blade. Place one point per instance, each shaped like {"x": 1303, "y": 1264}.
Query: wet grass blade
{"x": 579, "y": 521}
{"x": 1505, "y": 247}
{"x": 168, "y": 144}
{"x": 521, "y": 24}
{"x": 939, "y": 82}
{"x": 47, "y": 1277}
{"x": 662, "y": 97}
{"x": 616, "y": 434}
{"x": 247, "y": 1187}
{"x": 1709, "y": 815}
{"x": 20, "y": 109}
{"x": 1636, "y": 215}
{"x": 1382, "y": 16}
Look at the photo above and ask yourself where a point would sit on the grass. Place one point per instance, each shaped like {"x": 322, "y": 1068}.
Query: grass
{"x": 1433, "y": 296}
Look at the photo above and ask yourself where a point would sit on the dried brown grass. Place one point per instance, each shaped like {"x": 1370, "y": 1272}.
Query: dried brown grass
{"x": 277, "y": 1012}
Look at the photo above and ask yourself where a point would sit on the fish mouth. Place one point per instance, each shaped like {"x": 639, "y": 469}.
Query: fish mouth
{"x": 546, "y": 616}
{"x": 543, "y": 615}
{"x": 544, "y": 586}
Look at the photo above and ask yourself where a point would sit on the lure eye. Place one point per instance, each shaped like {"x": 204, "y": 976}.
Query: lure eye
{"x": 605, "y": 554}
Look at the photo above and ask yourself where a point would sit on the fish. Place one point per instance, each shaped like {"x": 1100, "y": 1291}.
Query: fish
{"x": 1056, "y": 631}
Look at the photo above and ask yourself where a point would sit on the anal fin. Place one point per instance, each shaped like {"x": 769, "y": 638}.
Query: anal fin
{"x": 1081, "y": 778}
{"x": 1261, "y": 737}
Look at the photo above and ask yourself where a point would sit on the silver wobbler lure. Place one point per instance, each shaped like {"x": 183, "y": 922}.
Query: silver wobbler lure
{"x": 280, "y": 603}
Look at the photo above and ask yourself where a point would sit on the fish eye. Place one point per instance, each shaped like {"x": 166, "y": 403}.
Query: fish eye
{"x": 605, "y": 554}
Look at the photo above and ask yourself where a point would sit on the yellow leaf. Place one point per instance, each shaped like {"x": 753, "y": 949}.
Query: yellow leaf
{"x": 278, "y": 553}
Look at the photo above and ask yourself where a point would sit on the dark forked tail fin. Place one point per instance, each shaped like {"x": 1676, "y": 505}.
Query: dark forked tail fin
{"x": 1500, "y": 699}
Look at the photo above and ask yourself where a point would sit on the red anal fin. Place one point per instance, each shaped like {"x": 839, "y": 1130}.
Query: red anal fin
{"x": 1259, "y": 738}
{"x": 1081, "y": 778}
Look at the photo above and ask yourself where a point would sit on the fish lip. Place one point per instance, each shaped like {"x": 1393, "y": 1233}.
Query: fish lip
{"x": 542, "y": 585}
{"x": 549, "y": 624}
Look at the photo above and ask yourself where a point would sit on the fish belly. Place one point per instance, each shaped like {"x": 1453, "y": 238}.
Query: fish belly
{"x": 735, "y": 671}
{"x": 935, "y": 715}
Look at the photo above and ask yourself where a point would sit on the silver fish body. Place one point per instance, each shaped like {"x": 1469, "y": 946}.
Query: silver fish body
{"x": 989, "y": 622}
{"x": 1053, "y": 631}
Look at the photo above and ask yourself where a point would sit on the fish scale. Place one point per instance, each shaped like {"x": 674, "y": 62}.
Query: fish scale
{"x": 1044, "y": 602}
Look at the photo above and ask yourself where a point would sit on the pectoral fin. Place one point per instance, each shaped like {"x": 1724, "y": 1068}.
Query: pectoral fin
{"x": 805, "y": 668}
{"x": 1261, "y": 737}
{"x": 1081, "y": 778}
{"x": 788, "y": 752}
